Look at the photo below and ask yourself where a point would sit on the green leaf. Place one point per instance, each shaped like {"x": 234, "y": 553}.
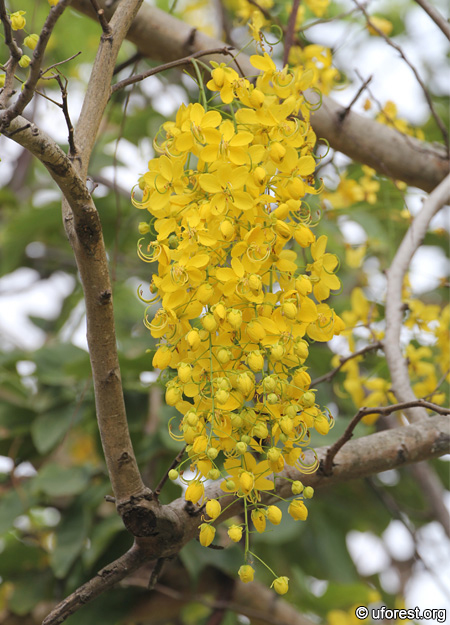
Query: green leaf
{"x": 57, "y": 481}
{"x": 100, "y": 537}
{"x": 48, "y": 429}
{"x": 70, "y": 540}
{"x": 11, "y": 506}
{"x": 27, "y": 593}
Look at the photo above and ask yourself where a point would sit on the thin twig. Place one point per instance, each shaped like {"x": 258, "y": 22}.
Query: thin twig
{"x": 437, "y": 18}
{"x": 363, "y": 87}
{"x": 426, "y": 93}
{"x": 394, "y": 310}
{"x": 289, "y": 37}
{"x": 15, "y": 54}
{"x": 65, "y": 108}
{"x": 165, "y": 477}
{"x": 102, "y": 19}
{"x": 29, "y": 86}
{"x": 155, "y": 573}
{"x": 162, "y": 68}
{"x": 327, "y": 376}
{"x": 131, "y": 61}
{"x": 74, "y": 56}
{"x": 363, "y": 412}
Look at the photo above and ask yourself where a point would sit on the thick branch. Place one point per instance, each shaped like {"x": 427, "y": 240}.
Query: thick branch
{"x": 162, "y": 37}
{"x": 92, "y": 264}
{"x": 98, "y": 91}
{"x": 166, "y": 529}
{"x": 437, "y": 18}
{"x": 357, "y": 459}
{"x": 106, "y": 578}
{"x": 398, "y": 367}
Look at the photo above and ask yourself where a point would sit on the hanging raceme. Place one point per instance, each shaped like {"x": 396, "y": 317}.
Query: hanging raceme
{"x": 238, "y": 304}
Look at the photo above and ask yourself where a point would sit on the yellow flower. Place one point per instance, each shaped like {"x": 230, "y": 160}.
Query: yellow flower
{"x": 53, "y": 3}
{"x": 235, "y": 533}
{"x": 281, "y": 585}
{"x": 247, "y": 476}
{"x": 31, "y": 41}
{"x": 17, "y": 20}
{"x": 298, "y": 510}
{"x": 259, "y": 520}
{"x": 274, "y": 514}
{"x": 379, "y": 24}
{"x": 194, "y": 491}
{"x": 207, "y": 533}
{"x": 246, "y": 573}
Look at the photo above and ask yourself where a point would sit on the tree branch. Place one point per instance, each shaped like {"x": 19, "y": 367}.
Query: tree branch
{"x": 363, "y": 412}
{"x": 162, "y": 37}
{"x": 328, "y": 376}
{"x": 90, "y": 255}
{"x": 106, "y": 578}
{"x": 172, "y": 526}
{"x": 437, "y": 18}
{"x": 289, "y": 37}
{"x": 398, "y": 367}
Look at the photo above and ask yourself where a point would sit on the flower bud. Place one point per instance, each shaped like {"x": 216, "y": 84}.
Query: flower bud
{"x": 255, "y": 360}
{"x": 234, "y": 318}
{"x": 321, "y": 424}
{"x": 259, "y": 520}
{"x": 17, "y": 20}
{"x": 260, "y": 430}
{"x": 212, "y": 453}
{"x": 255, "y": 331}
{"x": 213, "y": 508}
{"x": 31, "y": 41}
{"x": 277, "y": 351}
{"x": 173, "y": 395}
{"x": 227, "y": 229}
{"x": 204, "y": 293}
{"x": 214, "y": 474}
{"x": 289, "y": 310}
{"x": 308, "y": 399}
{"x": 194, "y": 491}
{"x": 162, "y": 357}
{"x": 298, "y": 510}
{"x": 224, "y": 355}
{"x": 269, "y": 384}
{"x": 246, "y": 573}
{"x": 222, "y": 396}
{"x": 235, "y": 533}
{"x": 274, "y": 515}
{"x": 246, "y": 482}
{"x": 207, "y": 533}
{"x": 241, "y": 448}
{"x": 193, "y": 339}
{"x": 281, "y": 585}
{"x": 173, "y": 474}
{"x": 209, "y": 323}
{"x": 184, "y": 372}
{"x": 24, "y": 60}
{"x": 297, "y": 487}
{"x": 308, "y": 492}
{"x": 244, "y": 384}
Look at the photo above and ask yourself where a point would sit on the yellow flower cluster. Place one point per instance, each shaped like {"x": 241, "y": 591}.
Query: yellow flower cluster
{"x": 426, "y": 363}
{"x": 227, "y": 196}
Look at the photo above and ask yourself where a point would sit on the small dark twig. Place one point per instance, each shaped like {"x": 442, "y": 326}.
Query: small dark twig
{"x": 161, "y": 68}
{"x": 346, "y": 111}
{"x": 14, "y": 132}
{"x": 44, "y": 71}
{"x": 289, "y": 38}
{"x": 131, "y": 61}
{"x": 363, "y": 412}
{"x": 165, "y": 477}
{"x": 72, "y": 147}
{"x": 343, "y": 360}
{"x": 155, "y": 573}
{"x": 102, "y": 19}
{"x": 110, "y": 499}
